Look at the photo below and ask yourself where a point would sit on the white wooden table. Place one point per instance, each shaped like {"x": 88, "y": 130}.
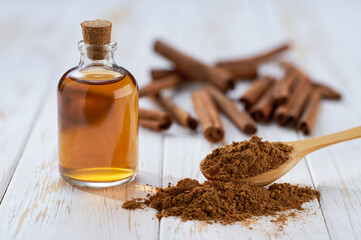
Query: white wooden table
{"x": 38, "y": 44}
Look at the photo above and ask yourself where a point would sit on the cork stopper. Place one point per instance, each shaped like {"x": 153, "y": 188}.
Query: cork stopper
{"x": 97, "y": 32}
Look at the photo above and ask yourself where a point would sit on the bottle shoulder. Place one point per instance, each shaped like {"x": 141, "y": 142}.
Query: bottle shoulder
{"x": 126, "y": 72}
{"x": 65, "y": 76}
{"x": 98, "y": 75}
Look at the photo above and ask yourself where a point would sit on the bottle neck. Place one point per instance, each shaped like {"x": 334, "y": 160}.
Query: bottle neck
{"x": 96, "y": 55}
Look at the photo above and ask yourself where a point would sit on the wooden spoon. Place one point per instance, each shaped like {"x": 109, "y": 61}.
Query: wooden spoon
{"x": 301, "y": 149}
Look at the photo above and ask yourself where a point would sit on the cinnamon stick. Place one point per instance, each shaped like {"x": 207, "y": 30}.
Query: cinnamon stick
{"x": 154, "y": 120}
{"x": 256, "y": 90}
{"x": 246, "y": 71}
{"x": 282, "y": 111}
{"x": 327, "y": 92}
{"x": 170, "y": 80}
{"x": 292, "y": 68}
{"x": 180, "y": 115}
{"x": 194, "y": 69}
{"x": 281, "y": 92}
{"x": 309, "y": 115}
{"x": 299, "y": 103}
{"x": 160, "y": 73}
{"x": 263, "y": 109}
{"x": 241, "y": 119}
{"x": 208, "y": 115}
{"x": 254, "y": 60}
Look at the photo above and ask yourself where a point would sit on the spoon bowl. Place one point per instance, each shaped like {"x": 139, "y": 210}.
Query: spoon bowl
{"x": 300, "y": 149}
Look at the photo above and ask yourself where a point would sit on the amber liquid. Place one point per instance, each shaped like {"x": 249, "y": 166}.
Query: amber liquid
{"x": 98, "y": 126}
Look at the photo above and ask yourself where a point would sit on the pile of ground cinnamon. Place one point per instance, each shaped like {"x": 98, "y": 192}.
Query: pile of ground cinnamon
{"x": 245, "y": 159}
{"x": 224, "y": 202}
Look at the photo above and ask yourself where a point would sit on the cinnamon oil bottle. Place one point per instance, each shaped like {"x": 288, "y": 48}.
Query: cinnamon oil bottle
{"x": 98, "y": 114}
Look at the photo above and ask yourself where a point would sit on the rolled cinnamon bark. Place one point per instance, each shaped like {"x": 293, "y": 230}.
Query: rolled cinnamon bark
{"x": 327, "y": 92}
{"x": 241, "y": 119}
{"x": 309, "y": 115}
{"x": 160, "y": 73}
{"x": 281, "y": 92}
{"x": 299, "y": 103}
{"x": 153, "y": 114}
{"x": 282, "y": 112}
{"x": 154, "y": 120}
{"x": 256, "y": 90}
{"x": 257, "y": 59}
{"x": 154, "y": 124}
{"x": 242, "y": 72}
{"x": 181, "y": 116}
{"x": 194, "y": 69}
{"x": 208, "y": 115}
{"x": 263, "y": 109}
{"x": 154, "y": 87}
{"x": 293, "y": 68}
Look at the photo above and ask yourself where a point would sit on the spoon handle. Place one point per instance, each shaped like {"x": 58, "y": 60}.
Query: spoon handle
{"x": 307, "y": 146}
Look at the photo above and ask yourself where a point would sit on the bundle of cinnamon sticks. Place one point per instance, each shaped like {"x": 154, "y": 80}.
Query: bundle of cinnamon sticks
{"x": 294, "y": 99}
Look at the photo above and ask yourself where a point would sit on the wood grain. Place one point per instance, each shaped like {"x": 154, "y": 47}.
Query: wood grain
{"x": 37, "y": 203}
{"x": 25, "y": 74}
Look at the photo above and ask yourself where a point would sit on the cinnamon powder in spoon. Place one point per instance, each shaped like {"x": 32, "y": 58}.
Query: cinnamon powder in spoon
{"x": 245, "y": 159}
{"x": 224, "y": 202}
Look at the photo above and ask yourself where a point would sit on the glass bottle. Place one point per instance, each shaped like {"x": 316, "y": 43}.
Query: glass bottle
{"x": 98, "y": 120}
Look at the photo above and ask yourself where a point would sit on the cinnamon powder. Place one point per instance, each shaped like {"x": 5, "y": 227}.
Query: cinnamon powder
{"x": 224, "y": 202}
{"x": 245, "y": 159}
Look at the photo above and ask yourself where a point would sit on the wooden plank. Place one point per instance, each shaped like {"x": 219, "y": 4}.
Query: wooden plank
{"x": 38, "y": 199}
{"x": 51, "y": 208}
{"x": 50, "y": 203}
{"x": 180, "y": 162}
{"x": 329, "y": 53}
{"x": 26, "y": 48}
{"x": 39, "y": 204}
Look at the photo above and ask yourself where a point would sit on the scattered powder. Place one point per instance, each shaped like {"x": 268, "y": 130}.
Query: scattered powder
{"x": 224, "y": 202}
{"x": 136, "y": 203}
{"x": 292, "y": 214}
{"x": 245, "y": 159}
{"x": 282, "y": 219}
